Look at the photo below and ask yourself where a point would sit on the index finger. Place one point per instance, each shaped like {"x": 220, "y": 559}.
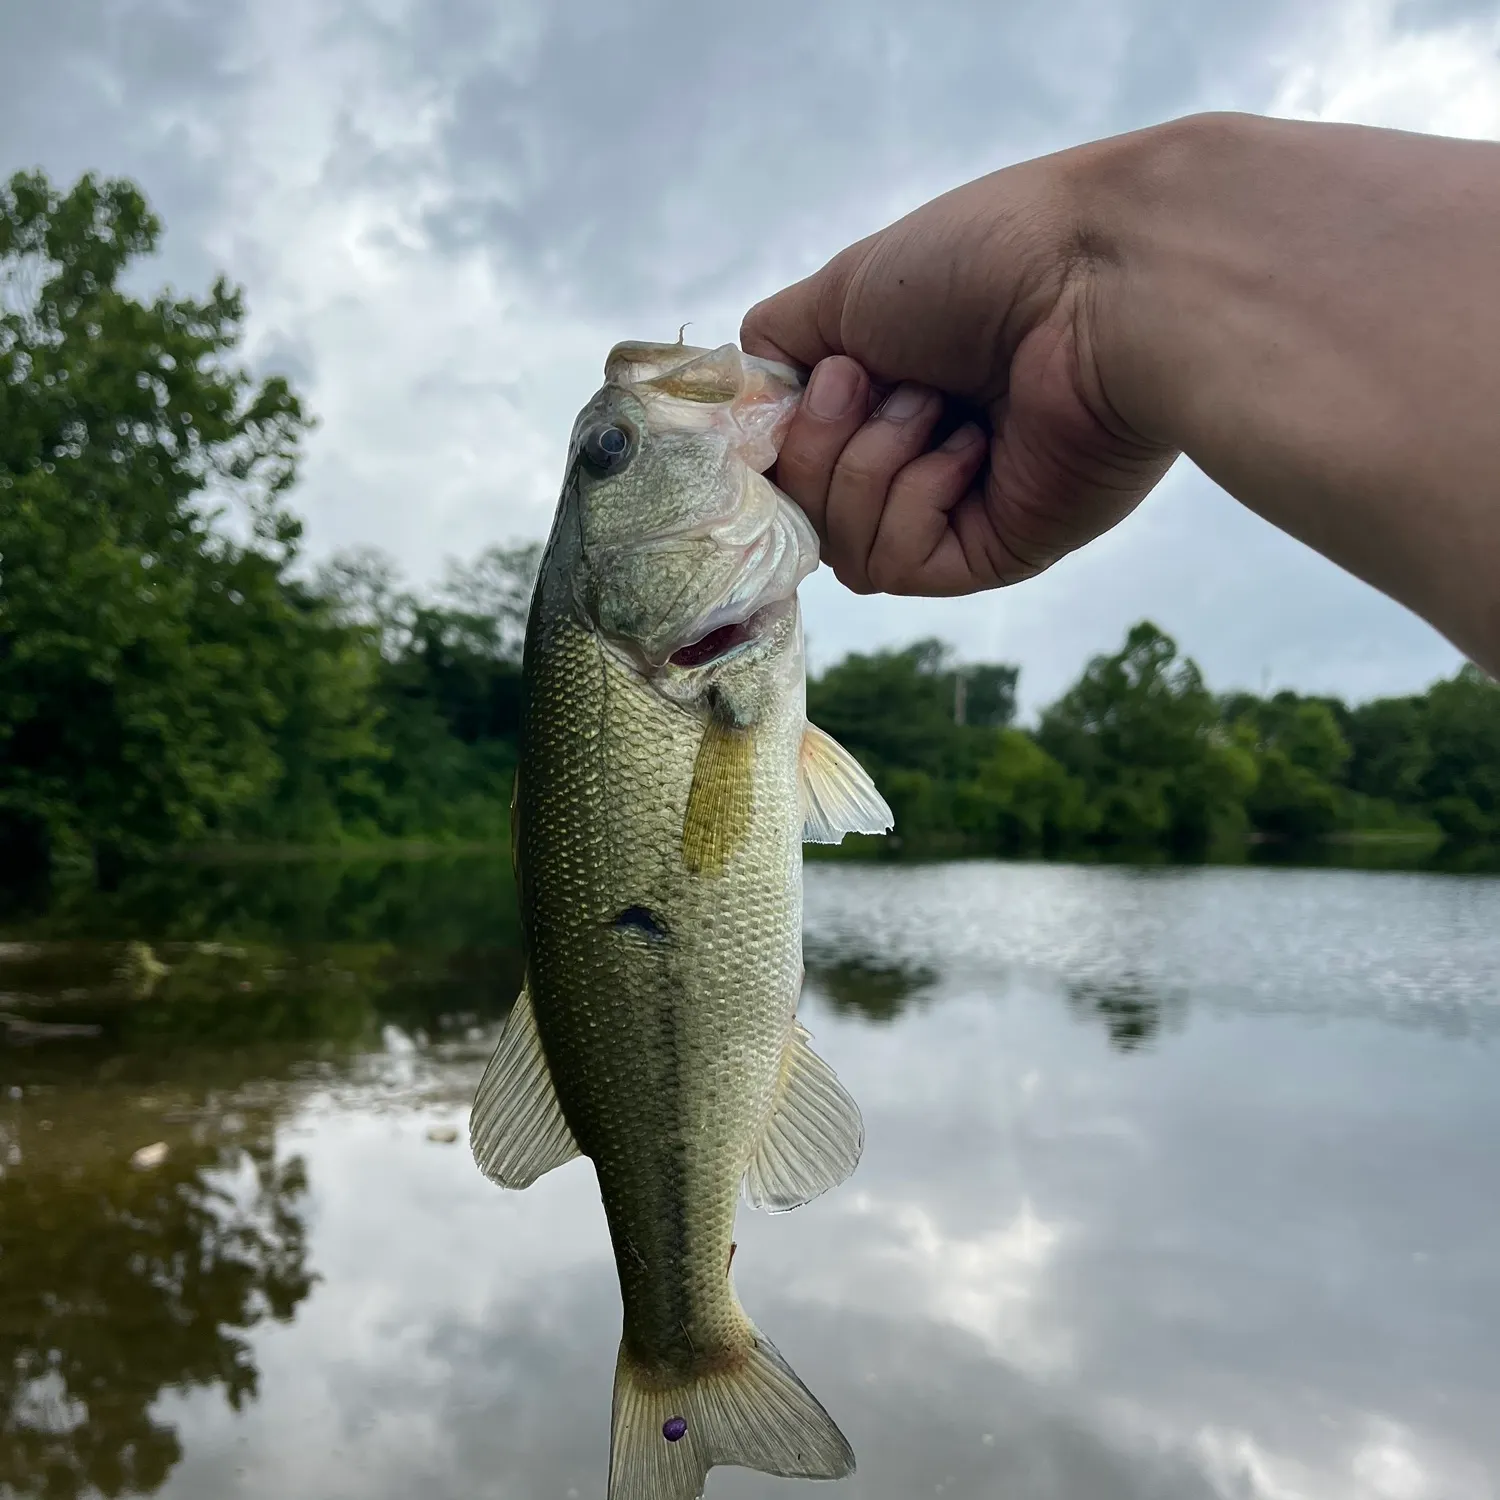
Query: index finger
{"x": 803, "y": 324}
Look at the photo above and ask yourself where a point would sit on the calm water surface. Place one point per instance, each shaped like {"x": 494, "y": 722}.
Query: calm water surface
{"x": 1177, "y": 1184}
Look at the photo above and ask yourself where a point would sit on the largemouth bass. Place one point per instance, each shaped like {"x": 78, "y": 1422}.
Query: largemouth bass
{"x": 668, "y": 778}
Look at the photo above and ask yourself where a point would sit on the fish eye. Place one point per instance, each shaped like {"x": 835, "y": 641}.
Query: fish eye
{"x": 606, "y": 449}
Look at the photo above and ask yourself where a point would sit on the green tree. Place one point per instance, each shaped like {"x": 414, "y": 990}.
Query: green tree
{"x": 924, "y": 728}
{"x": 1142, "y": 733}
{"x": 894, "y": 708}
{"x": 1302, "y": 756}
{"x": 144, "y": 651}
{"x": 988, "y": 694}
{"x": 448, "y": 685}
{"x": 487, "y": 600}
{"x": 1023, "y": 800}
{"x": 1388, "y": 750}
{"x": 1461, "y": 781}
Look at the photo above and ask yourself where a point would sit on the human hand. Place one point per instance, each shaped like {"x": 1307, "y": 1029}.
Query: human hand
{"x": 956, "y": 434}
{"x": 1306, "y": 310}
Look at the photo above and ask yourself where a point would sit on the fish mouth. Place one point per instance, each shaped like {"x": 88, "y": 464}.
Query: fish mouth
{"x": 693, "y": 373}
{"x": 688, "y": 388}
{"x": 723, "y": 640}
{"x": 771, "y": 562}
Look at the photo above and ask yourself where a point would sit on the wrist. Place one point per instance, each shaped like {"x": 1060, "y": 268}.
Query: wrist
{"x": 1162, "y": 299}
{"x": 1302, "y": 309}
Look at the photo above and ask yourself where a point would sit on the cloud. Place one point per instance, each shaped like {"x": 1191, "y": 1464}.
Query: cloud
{"x": 1431, "y": 67}
{"x": 445, "y": 213}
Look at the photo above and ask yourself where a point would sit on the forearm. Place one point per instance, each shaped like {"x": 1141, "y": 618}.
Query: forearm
{"x": 1312, "y": 314}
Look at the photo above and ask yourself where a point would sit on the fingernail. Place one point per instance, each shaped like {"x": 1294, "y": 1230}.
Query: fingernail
{"x": 961, "y": 440}
{"x": 831, "y": 389}
{"x": 903, "y": 403}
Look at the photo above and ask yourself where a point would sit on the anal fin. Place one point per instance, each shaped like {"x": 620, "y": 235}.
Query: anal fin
{"x": 838, "y": 796}
{"x": 813, "y": 1137}
{"x": 516, "y": 1129}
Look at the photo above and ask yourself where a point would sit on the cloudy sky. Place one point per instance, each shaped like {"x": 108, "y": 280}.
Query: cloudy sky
{"x": 444, "y": 212}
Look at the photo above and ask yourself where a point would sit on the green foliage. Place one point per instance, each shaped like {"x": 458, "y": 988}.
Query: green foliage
{"x": 143, "y": 696}
{"x": 447, "y": 686}
{"x": 1388, "y": 749}
{"x": 897, "y": 709}
{"x": 166, "y": 677}
{"x": 1139, "y": 755}
{"x": 1143, "y": 734}
{"x": 930, "y": 732}
{"x": 1302, "y": 754}
{"x": 1022, "y": 799}
{"x": 1461, "y": 778}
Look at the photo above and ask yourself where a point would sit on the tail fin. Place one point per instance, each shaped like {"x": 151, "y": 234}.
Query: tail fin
{"x": 757, "y": 1415}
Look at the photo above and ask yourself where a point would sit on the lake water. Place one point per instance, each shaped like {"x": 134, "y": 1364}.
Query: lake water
{"x": 1177, "y": 1183}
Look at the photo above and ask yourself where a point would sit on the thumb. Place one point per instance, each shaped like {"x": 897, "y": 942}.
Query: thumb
{"x": 802, "y": 324}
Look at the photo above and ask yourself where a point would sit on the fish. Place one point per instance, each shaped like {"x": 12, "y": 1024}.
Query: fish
{"x": 667, "y": 780}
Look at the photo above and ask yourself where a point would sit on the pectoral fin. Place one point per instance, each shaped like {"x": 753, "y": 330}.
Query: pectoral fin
{"x": 838, "y": 796}
{"x": 813, "y": 1138}
{"x": 720, "y": 799}
{"x": 516, "y": 1129}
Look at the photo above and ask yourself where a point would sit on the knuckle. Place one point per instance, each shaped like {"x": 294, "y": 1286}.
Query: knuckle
{"x": 887, "y": 572}
{"x": 869, "y": 465}
{"x": 1026, "y": 527}
{"x": 853, "y": 579}
{"x": 803, "y": 464}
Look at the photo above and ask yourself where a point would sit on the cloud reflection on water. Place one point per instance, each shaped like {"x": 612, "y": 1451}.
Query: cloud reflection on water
{"x": 1245, "y": 1248}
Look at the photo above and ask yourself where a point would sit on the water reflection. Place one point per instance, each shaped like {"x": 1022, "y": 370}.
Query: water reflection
{"x": 437, "y": 903}
{"x": 311, "y": 953}
{"x": 1257, "y": 1257}
{"x": 179, "y": 1012}
{"x": 117, "y": 1284}
{"x": 1131, "y": 1012}
{"x": 857, "y": 985}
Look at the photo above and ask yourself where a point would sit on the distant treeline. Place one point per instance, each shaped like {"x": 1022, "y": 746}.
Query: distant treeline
{"x": 171, "y": 675}
{"x": 1139, "y": 754}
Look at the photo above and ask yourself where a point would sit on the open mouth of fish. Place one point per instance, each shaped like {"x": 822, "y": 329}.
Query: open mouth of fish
{"x": 726, "y": 638}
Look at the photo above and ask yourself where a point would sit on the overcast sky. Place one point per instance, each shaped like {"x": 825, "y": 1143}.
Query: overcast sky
{"x": 444, "y": 212}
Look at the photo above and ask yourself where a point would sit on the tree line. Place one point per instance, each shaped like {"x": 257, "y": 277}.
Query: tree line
{"x": 1140, "y": 754}
{"x": 172, "y": 672}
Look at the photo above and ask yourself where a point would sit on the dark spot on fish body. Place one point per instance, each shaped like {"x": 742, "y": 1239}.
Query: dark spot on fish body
{"x": 641, "y": 919}
{"x": 674, "y": 1429}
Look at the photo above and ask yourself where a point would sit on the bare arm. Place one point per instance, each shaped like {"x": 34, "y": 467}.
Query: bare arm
{"x": 1310, "y": 312}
